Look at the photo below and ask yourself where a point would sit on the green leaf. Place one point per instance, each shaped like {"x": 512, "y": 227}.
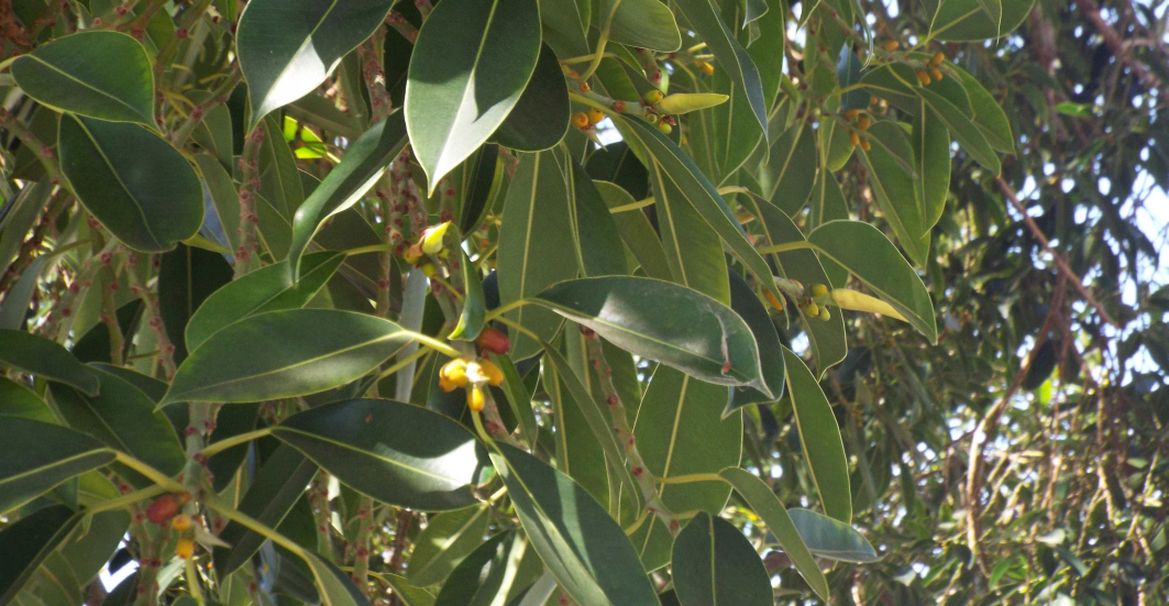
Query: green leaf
{"x": 819, "y": 438}
{"x": 334, "y": 587}
{"x": 280, "y": 181}
{"x": 28, "y": 542}
{"x": 582, "y": 546}
{"x": 16, "y": 400}
{"x": 764, "y": 503}
{"x": 672, "y": 324}
{"x": 680, "y": 431}
{"x": 275, "y": 488}
{"x": 540, "y": 118}
{"x": 642, "y": 23}
{"x": 45, "y": 358}
{"x": 746, "y": 303}
{"x": 677, "y": 168}
{"x": 479, "y": 579}
{"x": 714, "y": 563}
{"x": 135, "y": 183}
{"x": 793, "y": 161}
{"x": 892, "y": 174}
{"x": 474, "y": 302}
{"x": 986, "y": 113}
{"x": 931, "y": 152}
{"x": 123, "y": 416}
{"x": 974, "y": 20}
{"x": 832, "y": 539}
{"x": 563, "y": 27}
{"x": 73, "y": 73}
{"x": 269, "y": 288}
{"x": 394, "y": 452}
{"x": 186, "y": 277}
{"x": 636, "y": 231}
{"x": 366, "y": 159}
{"x": 601, "y": 250}
{"x": 537, "y": 205}
{"x": 446, "y": 540}
{"x": 969, "y": 136}
{"x": 870, "y": 256}
{"x": 35, "y": 457}
{"x": 285, "y": 353}
{"x": 287, "y": 49}
{"x": 471, "y": 63}
{"x": 703, "y": 16}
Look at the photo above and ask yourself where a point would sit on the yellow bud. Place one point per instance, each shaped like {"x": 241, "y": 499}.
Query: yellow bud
{"x": 432, "y": 238}
{"x": 185, "y": 548}
{"x": 937, "y": 74}
{"x": 937, "y": 59}
{"x": 475, "y": 398}
{"x": 454, "y": 373}
{"x": 653, "y": 97}
{"x": 181, "y": 522}
{"x": 824, "y": 315}
{"x": 706, "y": 67}
{"x": 819, "y": 290}
{"x": 429, "y": 269}
{"x": 413, "y": 254}
{"x": 854, "y": 139}
{"x": 596, "y": 115}
{"x": 812, "y": 310}
{"x": 922, "y": 77}
{"x": 864, "y": 122}
{"x": 665, "y": 127}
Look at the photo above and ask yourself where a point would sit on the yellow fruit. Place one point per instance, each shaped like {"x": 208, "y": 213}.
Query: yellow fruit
{"x": 891, "y": 45}
{"x": 706, "y": 68}
{"x": 491, "y": 371}
{"x": 181, "y": 522}
{"x": 596, "y": 115}
{"x": 652, "y": 97}
{"x": 824, "y": 315}
{"x": 819, "y": 290}
{"x": 432, "y": 238}
{"x": 580, "y": 120}
{"x": 185, "y": 548}
{"x": 475, "y": 398}
{"x": 854, "y": 139}
{"x": 937, "y": 74}
{"x": 812, "y": 310}
{"x": 665, "y": 127}
{"x": 864, "y": 122}
{"x": 865, "y": 145}
{"x": 852, "y": 114}
{"x": 937, "y": 59}
{"x": 922, "y": 77}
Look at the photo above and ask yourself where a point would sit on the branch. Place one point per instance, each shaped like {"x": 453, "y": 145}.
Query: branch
{"x": 1060, "y": 263}
{"x": 1120, "y": 48}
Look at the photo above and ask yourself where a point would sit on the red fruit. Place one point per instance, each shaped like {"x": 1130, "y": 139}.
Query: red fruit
{"x": 493, "y": 340}
{"x": 165, "y": 507}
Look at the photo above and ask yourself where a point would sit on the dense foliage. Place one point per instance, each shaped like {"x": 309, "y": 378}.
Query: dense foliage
{"x": 572, "y": 301}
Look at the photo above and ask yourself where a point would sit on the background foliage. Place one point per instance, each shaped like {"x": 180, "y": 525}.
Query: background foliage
{"x": 261, "y": 258}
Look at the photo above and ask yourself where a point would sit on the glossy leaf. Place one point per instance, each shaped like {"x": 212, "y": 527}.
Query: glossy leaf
{"x": 36, "y": 456}
{"x": 471, "y": 63}
{"x": 285, "y": 353}
{"x": 972, "y": 140}
{"x": 746, "y": 303}
{"x": 869, "y": 255}
{"x": 186, "y": 277}
{"x": 45, "y": 358}
{"x": 447, "y": 539}
{"x": 580, "y": 544}
{"x": 601, "y": 252}
{"x": 334, "y": 587}
{"x": 269, "y": 288}
{"x": 479, "y": 578}
{"x": 365, "y": 161}
{"x": 704, "y": 17}
{"x": 680, "y": 431}
{"x": 135, "y": 183}
{"x": 636, "y": 231}
{"x": 537, "y": 203}
{"x": 28, "y": 541}
{"x": 765, "y": 504}
{"x": 832, "y": 539}
{"x": 893, "y": 176}
{"x": 540, "y": 118}
{"x": 397, "y": 453}
{"x": 123, "y": 417}
{"x": 931, "y": 152}
{"x": 962, "y": 20}
{"x": 275, "y": 488}
{"x": 986, "y": 113}
{"x": 714, "y": 563}
{"x": 677, "y": 168}
{"x": 662, "y": 321}
{"x": 641, "y": 23}
{"x": 820, "y": 438}
{"x": 72, "y": 74}
{"x": 287, "y": 49}
{"x": 16, "y": 400}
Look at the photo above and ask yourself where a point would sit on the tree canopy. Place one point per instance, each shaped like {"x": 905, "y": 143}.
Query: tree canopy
{"x": 583, "y": 301}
